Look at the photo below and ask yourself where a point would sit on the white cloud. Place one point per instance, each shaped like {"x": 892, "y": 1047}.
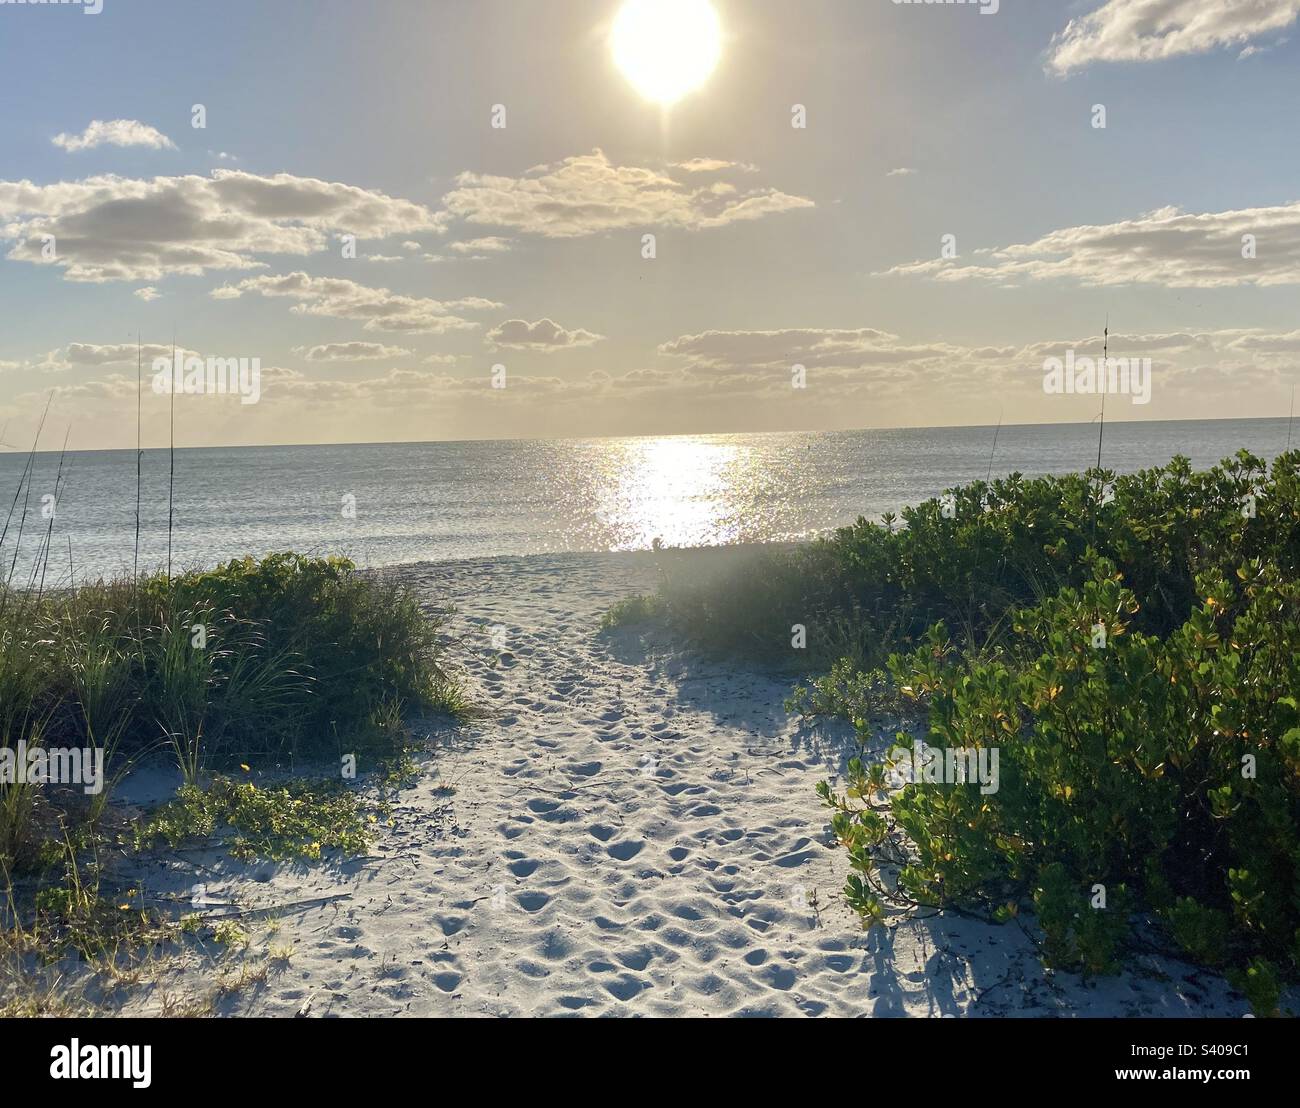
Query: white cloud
{"x": 148, "y": 293}
{"x": 93, "y": 355}
{"x": 350, "y": 352}
{"x": 902, "y": 171}
{"x": 115, "y": 132}
{"x": 1168, "y": 247}
{"x": 379, "y": 308}
{"x": 874, "y": 366}
{"x": 544, "y": 335}
{"x": 712, "y": 165}
{"x": 1151, "y": 30}
{"x": 491, "y": 244}
{"x": 588, "y": 195}
{"x": 115, "y": 228}
{"x": 773, "y": 354}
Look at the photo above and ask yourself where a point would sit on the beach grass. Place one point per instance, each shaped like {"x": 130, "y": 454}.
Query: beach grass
{"x": 298, "y": 667}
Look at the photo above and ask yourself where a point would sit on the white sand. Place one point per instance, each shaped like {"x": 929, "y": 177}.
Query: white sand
{"x": 632, "y": 832}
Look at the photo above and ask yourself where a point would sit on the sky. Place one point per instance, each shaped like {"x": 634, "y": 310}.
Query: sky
{"x": 948, "y": 219}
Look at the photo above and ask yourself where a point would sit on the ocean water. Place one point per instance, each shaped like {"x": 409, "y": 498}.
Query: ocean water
{"x": 387, "y": 504}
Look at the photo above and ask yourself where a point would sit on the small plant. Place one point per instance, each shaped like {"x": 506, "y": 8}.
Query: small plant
{"x": 632, "y": 610}
{"x": 1202, "y": 932}
{"x": 228, "y": 932}
{"x": 298, "y": 820}
{"x": 1260, "y": 985}
{"x": 851, "y": 694}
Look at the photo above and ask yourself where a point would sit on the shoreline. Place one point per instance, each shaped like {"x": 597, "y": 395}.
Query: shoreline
{"x": 398, "y": 505}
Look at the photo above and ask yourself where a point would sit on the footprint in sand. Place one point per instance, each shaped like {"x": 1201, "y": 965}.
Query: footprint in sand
{"x": 574, "y": 1003}
{"x": 624, "y": 987}
{"x": 626, "y": 850}
{"x": 448, "y": 982}
{"x": 636, "y": 959}
{"x": 449, "y": 925}
{"x": 532, "y": 902}
{"x": 779, "y": 977}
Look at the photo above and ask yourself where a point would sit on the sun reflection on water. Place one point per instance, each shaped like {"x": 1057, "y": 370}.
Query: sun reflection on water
{"x": 678, "y": 491}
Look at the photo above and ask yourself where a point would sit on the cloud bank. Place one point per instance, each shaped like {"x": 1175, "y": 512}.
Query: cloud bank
{"x": 111, "y": 228}
{"x": 378, "y": 308}
{"x": 1152, "y": 30}
{"x": 1168, "y": 247}
{"x": 588, "y": 195}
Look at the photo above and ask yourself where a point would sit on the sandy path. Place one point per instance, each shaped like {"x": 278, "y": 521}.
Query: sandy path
{"x": 630, "y": 832}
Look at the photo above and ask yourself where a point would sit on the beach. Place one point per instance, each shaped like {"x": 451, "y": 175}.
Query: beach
{"x": 628, "y": 829}
{"x": 659, "y": 508}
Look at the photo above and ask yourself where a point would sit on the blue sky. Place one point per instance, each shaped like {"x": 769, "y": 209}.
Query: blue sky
{"x": 817, "y": 246}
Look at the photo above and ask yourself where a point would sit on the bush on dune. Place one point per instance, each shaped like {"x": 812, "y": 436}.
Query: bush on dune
{"x": 279, "y": 658}
{"x": 284, "y": 659}
{"x": 746, "y": 603}
{"x": 256, "y": 664}
{"x": 984, "y": 549}
{"x": 1130, "y": 648}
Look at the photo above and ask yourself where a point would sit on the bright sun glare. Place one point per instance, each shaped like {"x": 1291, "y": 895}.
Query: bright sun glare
{"x": 666, "y": 48}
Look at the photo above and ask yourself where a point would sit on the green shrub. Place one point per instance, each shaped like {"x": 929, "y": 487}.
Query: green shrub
{"x": 878, "y": 587}
{"x": 1259, "y": 984}
{"x": 1180, "y": 753}
{"x": 747, "y": 602}
{"x": 630, "y": 611}
{"x": 849, "y": 692}
{"x": 1202, "y": 932}
{"x": 1130, "y": 648}
{"x": 288, "y": 657}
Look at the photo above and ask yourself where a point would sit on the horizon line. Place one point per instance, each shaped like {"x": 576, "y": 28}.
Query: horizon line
{"x": 24, "y": 451}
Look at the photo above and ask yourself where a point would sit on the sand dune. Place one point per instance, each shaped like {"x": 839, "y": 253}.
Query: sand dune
{"x": 632, "y": 832}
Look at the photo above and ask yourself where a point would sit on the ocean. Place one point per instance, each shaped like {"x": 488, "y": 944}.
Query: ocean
{"x": 394, "y": 503}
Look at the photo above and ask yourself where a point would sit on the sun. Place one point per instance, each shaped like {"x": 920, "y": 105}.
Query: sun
{"x": 666, "y": 48}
